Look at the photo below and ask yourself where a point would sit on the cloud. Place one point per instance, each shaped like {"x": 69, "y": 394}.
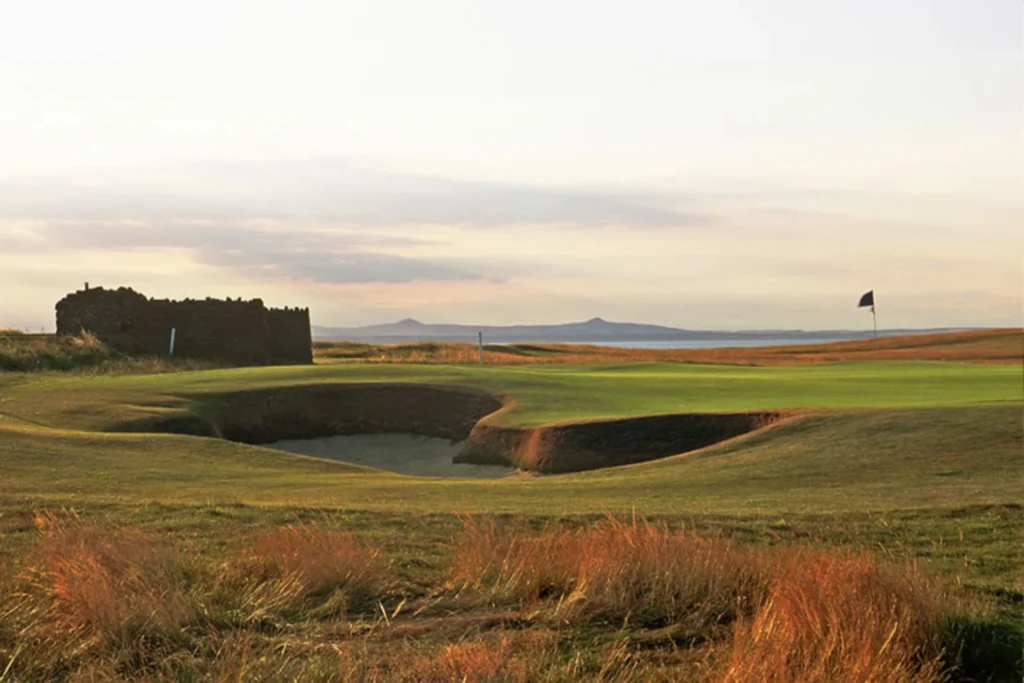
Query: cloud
{"x": 328, "y": 256}
{"x": 328, "y": 189}
{"x": 325, "y": 220}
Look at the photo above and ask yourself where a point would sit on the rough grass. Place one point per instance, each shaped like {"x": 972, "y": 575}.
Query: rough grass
{"x": 281, "y": 572}
{"x": 105, "y": 602}
{"x": 794, "y": 615}
{"x": 82, "y": 353}
{"x": 613, "y": 572}
{"x": 97, "y": 602}
{"x": 983, "y": 346}
{"x": 116, "y": 585}
{"x": 839, "y": 617}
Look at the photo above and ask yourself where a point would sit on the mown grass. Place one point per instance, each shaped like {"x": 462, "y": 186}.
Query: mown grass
{"x": 541, "y": 394}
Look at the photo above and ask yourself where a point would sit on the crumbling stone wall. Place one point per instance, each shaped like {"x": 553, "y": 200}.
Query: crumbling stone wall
{"x": 291, "y": 338}
{"x": 243, "y": 332}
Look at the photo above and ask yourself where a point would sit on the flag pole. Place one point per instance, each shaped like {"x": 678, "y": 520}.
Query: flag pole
{"x": 874, "y": 319}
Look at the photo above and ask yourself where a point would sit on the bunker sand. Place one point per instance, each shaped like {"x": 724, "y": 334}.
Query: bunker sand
{"x": 409, "y": 454}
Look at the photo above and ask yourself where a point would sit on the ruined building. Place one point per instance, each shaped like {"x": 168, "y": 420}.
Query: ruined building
{"x": 242, "y": 332}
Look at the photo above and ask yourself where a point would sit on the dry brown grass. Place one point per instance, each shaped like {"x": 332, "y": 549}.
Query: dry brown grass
{"x": 796, "y": 615}
{"x": 840, "y": 618}
{"x": 630, "y": 573}
{"x": 116, "y": 585}
{"x": 93, "y": 602}
{"x": 984, "y": 346}
{"x": 616, "y": 601}
{"x": 281, "y": 571}
{"x": 522, "y": 659}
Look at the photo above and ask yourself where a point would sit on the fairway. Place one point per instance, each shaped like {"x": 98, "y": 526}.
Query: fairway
{"x": 870, "y": 431}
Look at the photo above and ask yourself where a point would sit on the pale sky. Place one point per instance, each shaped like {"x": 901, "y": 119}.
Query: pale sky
{"x": 717, "y": 165}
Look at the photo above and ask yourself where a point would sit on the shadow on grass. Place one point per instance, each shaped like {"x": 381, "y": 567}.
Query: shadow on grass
{"x": 986, "y": 651}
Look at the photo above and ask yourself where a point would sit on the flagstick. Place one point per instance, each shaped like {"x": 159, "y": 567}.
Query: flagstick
{"x": 874, "y": 319}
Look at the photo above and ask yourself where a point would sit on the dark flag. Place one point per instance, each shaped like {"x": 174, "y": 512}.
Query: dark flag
{"x": 869, "y": 300}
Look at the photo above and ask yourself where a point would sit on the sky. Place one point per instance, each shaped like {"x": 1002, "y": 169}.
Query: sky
{"x": 713, "y": 165}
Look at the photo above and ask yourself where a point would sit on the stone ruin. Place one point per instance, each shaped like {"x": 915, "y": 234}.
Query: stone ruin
{"x": 236, "y": 331}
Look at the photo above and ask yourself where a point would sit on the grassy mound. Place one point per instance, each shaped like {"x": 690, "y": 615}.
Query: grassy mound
{"x": 84, "y": 352}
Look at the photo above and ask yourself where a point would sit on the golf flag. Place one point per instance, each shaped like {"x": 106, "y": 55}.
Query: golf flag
{"x": 869, "y": 300}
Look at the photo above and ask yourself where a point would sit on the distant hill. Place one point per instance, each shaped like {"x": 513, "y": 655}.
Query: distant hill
{"x": 593, "y": 330}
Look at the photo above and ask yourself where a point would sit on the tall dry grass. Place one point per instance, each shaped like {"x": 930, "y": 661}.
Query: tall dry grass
{"x": 795, "y": 615}
{"x": 285, "y": 570}
{"x": 114, "y": 585}
{"x": 616, "y": 601}
{"x": 101, "y": 603}
{"x": 842, "y": 618}
{"x": 627, "y": 572}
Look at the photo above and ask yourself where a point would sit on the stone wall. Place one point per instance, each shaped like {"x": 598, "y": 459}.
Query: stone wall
{"x": 291, "y": 338}
{"x": 237, "y": 331}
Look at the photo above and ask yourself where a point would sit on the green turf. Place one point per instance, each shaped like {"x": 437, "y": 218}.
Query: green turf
{"x": 543, "y": 393}
{"x": 954, "y": 440}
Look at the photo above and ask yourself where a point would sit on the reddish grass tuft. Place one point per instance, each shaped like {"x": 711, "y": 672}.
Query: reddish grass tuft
{"x": 114, "y": 584}
{"x": 797, "y": 615}
{"x": 839, "y": 618}
{"x": 524, "y": 659}
{"x": 632, "y": 572}
{"x": 285, "y": 568}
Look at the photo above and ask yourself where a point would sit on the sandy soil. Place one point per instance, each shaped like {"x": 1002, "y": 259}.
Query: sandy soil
{"x": 420, "y": 456}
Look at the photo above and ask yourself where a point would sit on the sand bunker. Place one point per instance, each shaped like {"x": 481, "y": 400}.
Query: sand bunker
{"x": 468, "y": 422}
{"x": 420, "y": 456}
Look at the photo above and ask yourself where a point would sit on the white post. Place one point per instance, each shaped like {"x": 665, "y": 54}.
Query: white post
{"x": 171, "y": 352}
{"x": 480, "y": 346}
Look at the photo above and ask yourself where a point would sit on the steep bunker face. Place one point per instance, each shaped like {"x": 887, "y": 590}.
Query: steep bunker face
{"x": 595, "y": 444}
{"x": 430, "y": 430}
